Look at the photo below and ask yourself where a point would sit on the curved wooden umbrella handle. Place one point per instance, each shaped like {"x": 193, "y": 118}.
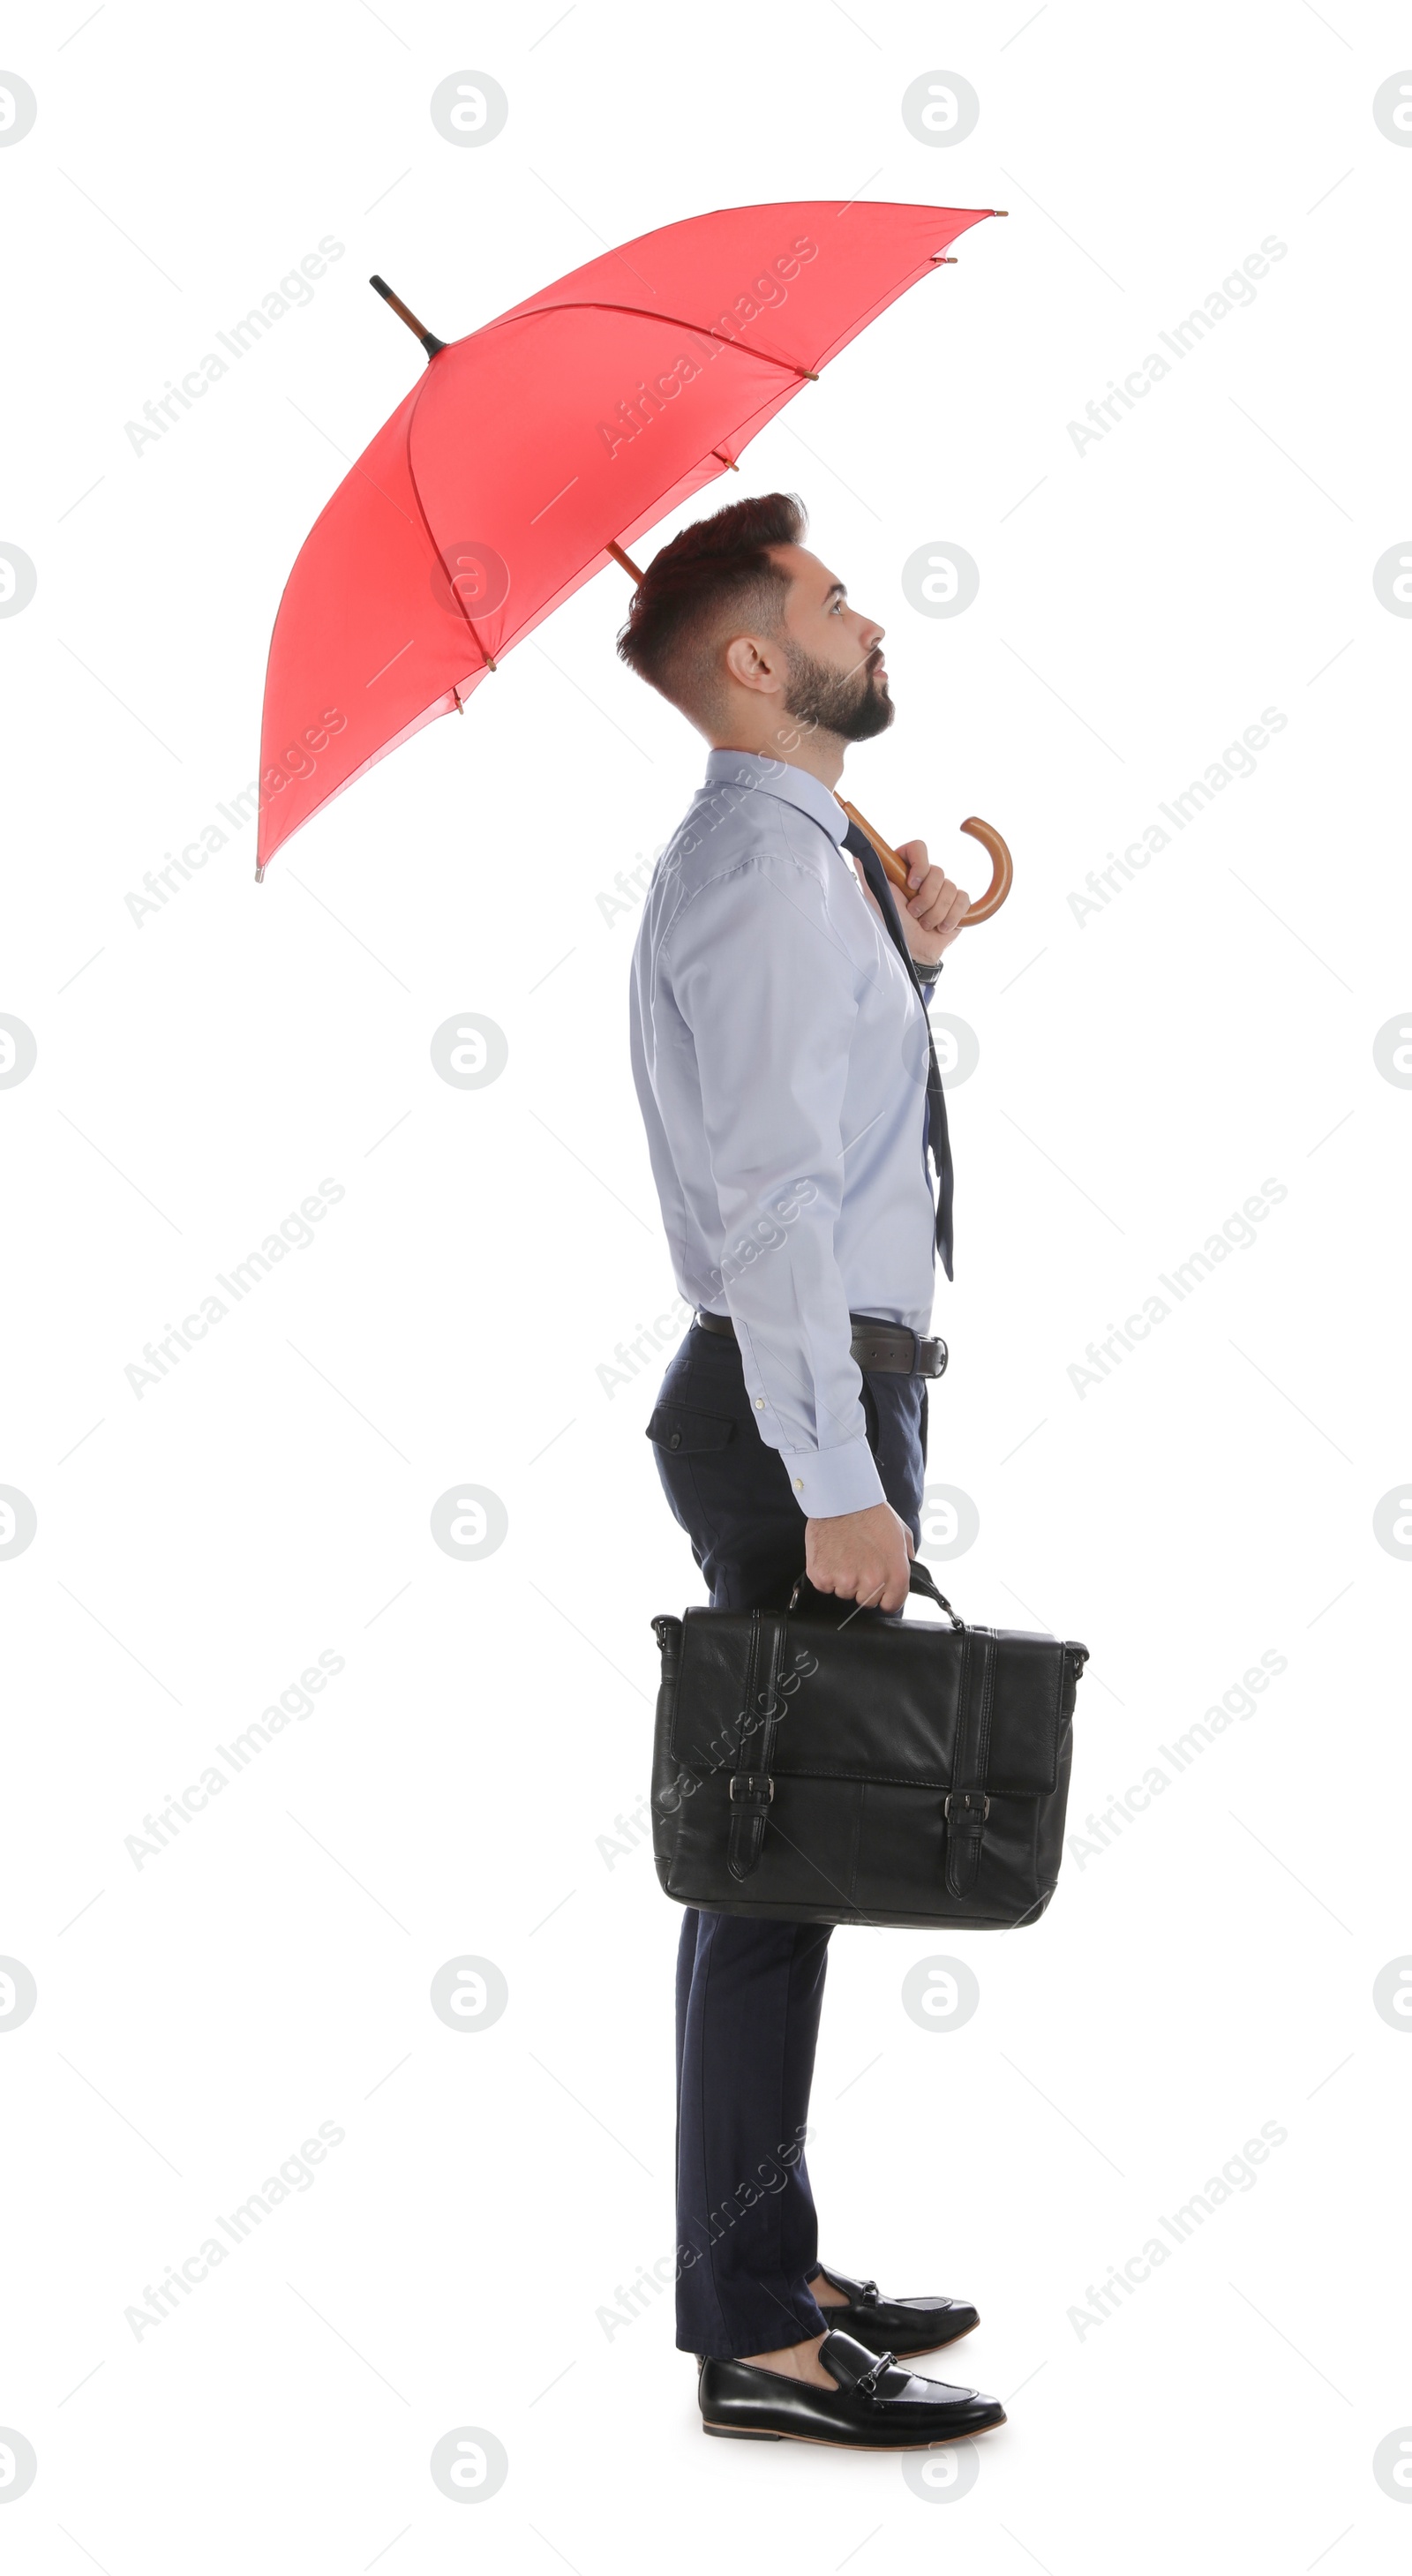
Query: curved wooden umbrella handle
{"x": 1002, "y": 870}
{"x": 1002, "y": 866}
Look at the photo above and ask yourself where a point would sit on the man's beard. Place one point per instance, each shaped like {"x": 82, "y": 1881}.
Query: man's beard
{"x": 854, "y": 705}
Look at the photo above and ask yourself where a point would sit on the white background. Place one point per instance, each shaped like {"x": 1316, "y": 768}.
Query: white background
{"x": 1140, "y": 1075}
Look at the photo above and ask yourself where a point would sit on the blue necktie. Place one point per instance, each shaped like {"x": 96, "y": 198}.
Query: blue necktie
{"x": 860, "y": 847}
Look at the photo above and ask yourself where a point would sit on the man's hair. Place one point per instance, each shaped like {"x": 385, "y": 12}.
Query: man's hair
{"x": 713, "y": 578}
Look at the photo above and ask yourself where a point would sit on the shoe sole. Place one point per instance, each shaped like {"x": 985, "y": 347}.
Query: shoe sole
{"x": 820, "y": 2441}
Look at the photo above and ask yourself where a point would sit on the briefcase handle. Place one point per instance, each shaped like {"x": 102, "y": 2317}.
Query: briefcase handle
{"x": 919, "y": 1579}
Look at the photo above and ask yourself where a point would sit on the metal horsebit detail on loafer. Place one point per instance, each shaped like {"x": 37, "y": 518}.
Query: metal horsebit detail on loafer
{"x": 867, "y": 2386}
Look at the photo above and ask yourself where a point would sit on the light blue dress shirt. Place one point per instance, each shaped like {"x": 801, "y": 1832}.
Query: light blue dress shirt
{"x": 780, "y": 1055}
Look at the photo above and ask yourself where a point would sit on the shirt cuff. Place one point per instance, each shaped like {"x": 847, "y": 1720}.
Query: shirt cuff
{"x": 828, "y": 1482}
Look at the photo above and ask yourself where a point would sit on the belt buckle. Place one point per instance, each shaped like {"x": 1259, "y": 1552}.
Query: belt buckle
{"x": 965, "y": 1798}
{"x": 752, "y": 1782}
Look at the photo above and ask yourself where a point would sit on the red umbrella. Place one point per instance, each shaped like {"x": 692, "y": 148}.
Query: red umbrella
{"x": 539, "y": 447}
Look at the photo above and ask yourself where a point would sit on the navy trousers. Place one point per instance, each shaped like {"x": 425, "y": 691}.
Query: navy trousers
{"x": 749, "y": 1993}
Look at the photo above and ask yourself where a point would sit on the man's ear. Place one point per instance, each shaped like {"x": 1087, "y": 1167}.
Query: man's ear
{"x": 752, "y": 666}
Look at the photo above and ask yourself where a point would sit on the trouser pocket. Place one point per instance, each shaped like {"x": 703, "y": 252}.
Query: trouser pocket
{"x": 693, "y": 1449}
{"x": 683, "y": 1430}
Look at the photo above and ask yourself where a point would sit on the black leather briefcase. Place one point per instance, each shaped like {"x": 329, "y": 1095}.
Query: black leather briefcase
{"x": 822, "y": 1768}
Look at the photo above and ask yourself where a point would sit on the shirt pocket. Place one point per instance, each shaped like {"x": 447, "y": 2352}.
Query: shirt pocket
{"x": 683, "y": 1430}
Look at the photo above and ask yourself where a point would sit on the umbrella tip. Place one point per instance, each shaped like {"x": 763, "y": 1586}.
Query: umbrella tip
{"x": 404, "y": 313}
{"x": 260, "y": 867}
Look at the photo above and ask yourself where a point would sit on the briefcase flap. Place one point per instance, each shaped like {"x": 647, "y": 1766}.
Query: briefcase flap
{"x": 876, "y": 1699}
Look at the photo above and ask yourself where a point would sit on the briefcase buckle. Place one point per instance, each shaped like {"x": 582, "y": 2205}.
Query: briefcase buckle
{"x": 968, "y": 1800}
{"x": 752, "y": 1785}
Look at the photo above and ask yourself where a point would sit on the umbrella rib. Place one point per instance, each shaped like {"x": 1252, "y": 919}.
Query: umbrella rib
{"x": 426, "y": 523}
{"x": 587, "y": 304}
{"x": 642, "y": 312}
{"x": 648, "y": 313}
{"x": 354, "y": 463}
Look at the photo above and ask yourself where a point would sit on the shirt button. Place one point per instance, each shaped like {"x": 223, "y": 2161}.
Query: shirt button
{"x": 759, "y": 1404}
{"x": 799, "y": 1484}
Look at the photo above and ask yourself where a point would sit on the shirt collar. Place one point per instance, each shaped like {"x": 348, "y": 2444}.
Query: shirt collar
{"x": 782, "y": 778}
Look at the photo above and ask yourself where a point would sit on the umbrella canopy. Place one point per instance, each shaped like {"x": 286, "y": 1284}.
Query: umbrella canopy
{"x": 539, "y": 443}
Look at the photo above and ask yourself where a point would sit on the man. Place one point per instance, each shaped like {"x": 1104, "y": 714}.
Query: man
{"x": 785, "y": 1072}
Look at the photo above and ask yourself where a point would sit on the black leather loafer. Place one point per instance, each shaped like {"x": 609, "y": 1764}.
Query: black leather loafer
{"x": 904, "y": 2325}
{"x": 874, "y": 2407}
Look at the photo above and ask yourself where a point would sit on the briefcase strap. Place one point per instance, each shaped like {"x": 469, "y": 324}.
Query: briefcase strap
{"x": 967, "y": 1804}
{"x": 751, "y": 1789}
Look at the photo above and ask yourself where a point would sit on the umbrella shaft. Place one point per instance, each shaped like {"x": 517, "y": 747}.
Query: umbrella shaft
{"x": 404, "y": 313}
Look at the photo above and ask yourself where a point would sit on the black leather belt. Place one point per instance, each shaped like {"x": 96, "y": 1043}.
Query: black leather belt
{"x": 893, "y": 1350}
